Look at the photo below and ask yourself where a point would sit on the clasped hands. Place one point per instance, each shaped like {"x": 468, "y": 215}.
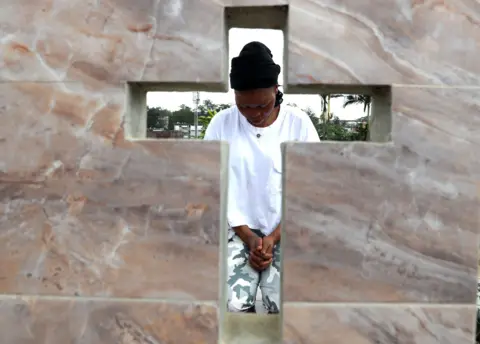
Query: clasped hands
{"x": 261, "y": 252}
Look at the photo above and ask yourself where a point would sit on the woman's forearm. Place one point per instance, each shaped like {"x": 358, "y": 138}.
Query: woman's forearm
{"x": 276, "y": 234}
{"x": 244, "y": 232}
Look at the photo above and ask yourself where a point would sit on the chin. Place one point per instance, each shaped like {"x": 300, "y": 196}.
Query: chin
{"x": 258, "y": 121}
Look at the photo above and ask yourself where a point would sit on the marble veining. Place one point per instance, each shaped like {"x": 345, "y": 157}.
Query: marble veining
{"x": 112, "y": 41}
{"x": 377, "y": 223}
{"x": 370, "y": 324}
{"x": 31, "y": 320}
{"x": 394, "y": 42}
{"x": 87, "y": 215}
{"x": 426, "y": 121}
{"x": 105, "y": 240}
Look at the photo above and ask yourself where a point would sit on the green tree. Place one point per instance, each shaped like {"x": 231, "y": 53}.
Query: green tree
{"x": 315, "y": 119}
{"x": 208, "y": 106}
{"x": 184, "y": 115}
{"x": 360, "y": 131}
{"x": 157, "y": 117}
{"x": 206, "y": 111}
{"x": 204, "y": 121}
{"x": 171, "y": 123}
{"x": 353, "y": 99}
{"x": 334, "y": 129}
{"x": 362, "y": 128}
{"x": 328, "y": 129}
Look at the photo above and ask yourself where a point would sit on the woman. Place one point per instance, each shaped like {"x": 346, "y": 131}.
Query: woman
{"x": 255, "y": 128}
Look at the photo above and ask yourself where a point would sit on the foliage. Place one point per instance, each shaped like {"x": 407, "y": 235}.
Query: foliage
{"x": 157, "y": 117}
{"x": 204, "y": 121}
{"x": 160, "y": 118}
{"x": 335, "y": 129}
{"x": 361, "y": 130}
{"x": 353, "y": 99}
{"x": 329, "y": 126}
{"x": 208, "y": 106}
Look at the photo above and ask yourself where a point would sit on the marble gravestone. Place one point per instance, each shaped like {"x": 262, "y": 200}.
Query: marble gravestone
{"x": 108, "y": 237}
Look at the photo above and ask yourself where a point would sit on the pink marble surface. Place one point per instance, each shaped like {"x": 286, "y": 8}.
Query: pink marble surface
{"x": 441, "y": 124}
{"x": 169, "y": 41}
{"x": 112, "y": 40}
{"x": 31, "y": 320}
{"x": 100, "y": 229}
{"x": 83, "y": 212}
{"x": 388, "y": 223}
{"x": 375, "y": 324}
{"x": 372, "y": 223}
{"x": 384, "y": 42}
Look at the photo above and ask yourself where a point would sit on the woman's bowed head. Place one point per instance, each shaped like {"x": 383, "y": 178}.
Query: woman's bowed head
{"x": 254, "y": 77}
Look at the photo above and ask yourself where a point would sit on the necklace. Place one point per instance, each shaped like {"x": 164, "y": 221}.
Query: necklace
{"x": 258, "y": 129}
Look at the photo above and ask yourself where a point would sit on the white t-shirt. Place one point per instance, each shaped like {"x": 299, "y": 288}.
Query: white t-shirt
{"x": 255, "y": 163}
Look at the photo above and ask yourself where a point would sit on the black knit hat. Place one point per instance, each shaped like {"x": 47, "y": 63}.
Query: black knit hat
{"x": 254, "y": 68}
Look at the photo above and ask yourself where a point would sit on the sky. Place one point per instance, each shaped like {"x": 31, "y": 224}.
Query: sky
{"x": 237, "y": 39}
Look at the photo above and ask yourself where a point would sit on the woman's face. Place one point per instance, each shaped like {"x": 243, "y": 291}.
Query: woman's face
{"x": 256, "y": 105}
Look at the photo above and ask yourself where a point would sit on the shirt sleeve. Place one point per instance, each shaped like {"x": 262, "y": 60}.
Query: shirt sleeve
{"x": 310, "y": 133}
{"x": 235, "y": 219}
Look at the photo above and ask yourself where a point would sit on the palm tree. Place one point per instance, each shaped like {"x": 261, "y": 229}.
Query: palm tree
{"x": 366, "y": 100}
{"x": 326, "y": 114}
{"x": 352, "y": 99}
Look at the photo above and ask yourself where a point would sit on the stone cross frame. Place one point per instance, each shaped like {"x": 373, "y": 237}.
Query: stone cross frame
{"x": 107, "y": 237}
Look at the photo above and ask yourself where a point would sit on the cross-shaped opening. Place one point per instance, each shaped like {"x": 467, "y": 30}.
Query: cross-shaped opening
{"x": 339, "y": 113}
{"x": 183, "y": 110}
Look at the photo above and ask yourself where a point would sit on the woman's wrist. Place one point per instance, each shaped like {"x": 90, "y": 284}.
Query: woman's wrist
{"x": 276, "y": 234}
